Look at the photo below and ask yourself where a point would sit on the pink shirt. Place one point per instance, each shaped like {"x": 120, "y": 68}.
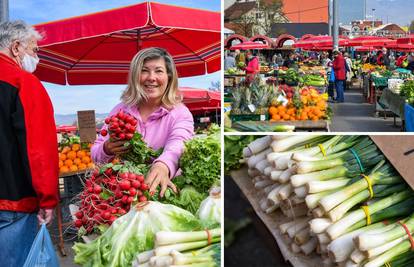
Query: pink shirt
{"x": 163, "y": 128}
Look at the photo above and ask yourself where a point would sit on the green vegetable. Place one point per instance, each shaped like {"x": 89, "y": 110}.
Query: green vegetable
{"x": 407, "y": 91}
{"x": 140, "y": 153}
{"x": 188, "y": 198}
{"x": 134, "y": 233}
{"x": 233, "y": 149}
{"x": 200, "y": 163}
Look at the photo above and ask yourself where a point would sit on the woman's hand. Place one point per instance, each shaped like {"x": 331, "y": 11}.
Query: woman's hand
{"x": 115, "y": 147}
{"x": 159, "y": 175}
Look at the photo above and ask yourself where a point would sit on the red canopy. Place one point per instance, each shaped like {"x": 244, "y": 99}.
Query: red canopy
{"x": 97, "y": 48}
{"x": 369, "y": 41}
{"x": 365, "y": 48}
{"x": 250, "y": 45}
{"x": 322, "y": 41}
{"x": 200, "y": 99}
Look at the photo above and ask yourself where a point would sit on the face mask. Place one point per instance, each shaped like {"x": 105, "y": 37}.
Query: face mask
{"x": 29, "y": 63}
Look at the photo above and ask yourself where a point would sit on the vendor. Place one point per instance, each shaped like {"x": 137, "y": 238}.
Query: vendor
{"x": 164, "y": 122}
{"x": 253, "y": 67}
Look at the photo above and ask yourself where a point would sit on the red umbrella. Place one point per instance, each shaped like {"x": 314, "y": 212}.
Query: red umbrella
{"x": 97, "y": 48}
{"x": 200, "y": 99}
{"x": 324, "y": 42}
{"x": 249, "y": 45}
{"x": 405, "y": 47}
{"x": 369, "y": 41}
{"x": 365, "y": 48}
{"x": 406, "y": 40}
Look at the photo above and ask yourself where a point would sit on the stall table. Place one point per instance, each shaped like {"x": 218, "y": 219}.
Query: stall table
{"x": 310, "y": 126}
{"x": 395, "y": 103}
{"x": 272, "y": 222}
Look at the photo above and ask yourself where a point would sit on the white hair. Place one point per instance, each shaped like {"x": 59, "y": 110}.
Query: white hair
{"x": 11, "y": 31}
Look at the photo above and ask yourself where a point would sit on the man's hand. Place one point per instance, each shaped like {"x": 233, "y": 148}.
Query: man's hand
{"x": 45, "y": 216}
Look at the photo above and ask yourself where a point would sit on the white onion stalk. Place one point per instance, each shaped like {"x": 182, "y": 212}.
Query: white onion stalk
{"x": 295, "y": 200}
{"x": 285, "y": 144}
{"x": 301, "y": 191}
{"x": 285, "y": 191}
{"x": 259, "y": 144}
{"x": 309, "y": 246}
{"x": 145, "y": 256}
{"x": 295, "y": 248}
{"x": 183, "y": 259}
{"x": 312, "y": 200}
{"x": 340, "y": 227}
{"x": 300, "y": 155}
{"x": 165, "y": 237}
{"x": 262, "y": 165}
{"x": 271, "y": 209}
{"x": 291, "y": 231}
{"x": 286, "y": 174}
{"x": 388, "y": 255}
{"x": 273, "y": 195}
{"x": 253, "y": 160}
{"x": 166, "y": 249}
{"x": 253, "y": 172}
{"x": 275, "y": 174}
{"x": 296, "y": 211}
{"x": 372, "y": 240}
{"x": 262, "y": 184}
{"x": 284, "y": 226}
{"x": 269, "y": 188}
{"x": 264, "y": 204}
{"x": 282, "y": 163}
{"x": 381, "y": 249}
{"x": 247, "y": 152}
{"x": 318, "y": 213}
{"x": 273, "y": 156}
{"x": 350, "y": 263}
{"x": 323, "y": 238}
{"x": 161, "y": 261}
{"x": 357, "y": 256}
{"x": 302, "y": 236}
{"x": 322, "y": 248}
{"x": 267, "y": 171}
{"x": 319, "y": 225}
{"x": 339, "y": 211}
{"x": 341, "y": 248}
{"x": 320, "y": 186}
{"x": 301, "y": 179}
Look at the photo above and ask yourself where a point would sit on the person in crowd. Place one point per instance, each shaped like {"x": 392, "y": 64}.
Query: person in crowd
{"x": 348, "y": 68}
{"x": 290, "y": 61}
{"x": 410, "y": 65}
{"x": 386, "y": 58}
{"x": 279, "y": 60}
{"x": 229, "y": 61}
{"x": 152, "y": 97}
{"x": 327, "y": 64}
{"x": 29, "y": 160}
{"x": 339, "y": 68}
{"x": 253, "y": 67}
{"x": 401, "y": 60}
{"x": 240, "y": 58}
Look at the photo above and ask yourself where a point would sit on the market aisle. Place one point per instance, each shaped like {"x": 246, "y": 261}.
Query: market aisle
{"x": 355, "y": 115}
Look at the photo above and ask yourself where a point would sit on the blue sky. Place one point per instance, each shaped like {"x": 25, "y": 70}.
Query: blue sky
{"x": 101, "y": 98}
{"x": 396, "y": 11}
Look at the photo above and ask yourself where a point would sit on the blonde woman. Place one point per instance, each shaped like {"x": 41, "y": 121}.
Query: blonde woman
{"x": 163, "y": 121}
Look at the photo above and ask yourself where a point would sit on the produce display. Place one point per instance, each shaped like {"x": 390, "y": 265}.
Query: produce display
{"x": 407, "y": 91}
{"x": 340, "y": 196}
{"x": 74, "y": 156}
{"x": 137, "y": 228}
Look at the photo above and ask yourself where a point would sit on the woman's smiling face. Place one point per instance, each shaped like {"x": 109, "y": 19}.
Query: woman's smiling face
{"x": 154, "y": 79}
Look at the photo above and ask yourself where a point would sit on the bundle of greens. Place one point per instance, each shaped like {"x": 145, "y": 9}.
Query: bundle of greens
{"x": 134, "y": 233}
{"x": 187, "y": 198}
{"x": 139, "y": 152}
{"x": 200, "y": 163}
{"x": 233, "y": 149}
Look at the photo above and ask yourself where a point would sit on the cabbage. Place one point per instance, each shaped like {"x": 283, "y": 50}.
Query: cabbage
{"x": 210, "y": 209}
{"x": 134, "y": 233}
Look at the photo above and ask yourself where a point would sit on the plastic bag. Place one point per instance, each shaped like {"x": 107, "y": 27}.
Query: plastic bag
{"x": 332, "y": 77}
{"x": 42, "y": 253}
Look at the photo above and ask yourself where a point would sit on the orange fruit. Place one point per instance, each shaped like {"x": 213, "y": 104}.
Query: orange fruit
{"x": 73, "y": 168}
{"x": 82, "y": 166}
{"x": 63, "y": 169}
{"x": 81, "y": 153}
{"x": 65, "y": 150}
{"x": 60, "y": 164}
{"x": 90, "y": 165}
{"x": 62, "y": 156}
{"x": 77, "y": 161}
{"x": 68, "y": 162}
{"x": 75, "y": 147}
{"x": 86, "y": 159}
{"x": 71, "y": 155}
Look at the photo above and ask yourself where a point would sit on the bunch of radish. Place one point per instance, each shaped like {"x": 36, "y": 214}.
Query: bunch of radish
{"x": 109, "y": 194}
{"x": 121, "y": 126}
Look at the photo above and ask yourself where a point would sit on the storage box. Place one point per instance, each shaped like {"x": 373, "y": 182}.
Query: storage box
{"x": 249, "y": 117}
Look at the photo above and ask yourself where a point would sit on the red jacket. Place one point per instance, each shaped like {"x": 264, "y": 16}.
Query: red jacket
{"x": 29, "y": 157}
{"x": 339, "y": 67}
{"x": 253, "y": 66}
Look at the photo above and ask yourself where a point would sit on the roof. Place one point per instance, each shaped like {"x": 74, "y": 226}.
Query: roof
{"x": 300, "y": 29}
{"x": 384, "y": 26}
{"x": 306, "y": 11}
{"x": 237, "y": 10}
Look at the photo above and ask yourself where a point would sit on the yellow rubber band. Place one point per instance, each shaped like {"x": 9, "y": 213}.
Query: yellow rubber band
{"x": 366, "y": 211}
{"x": 387, "y": 264}
{"x": 322, "y": 149}
{"x": 308, "y": 146}
{"x": 369, "y": 182}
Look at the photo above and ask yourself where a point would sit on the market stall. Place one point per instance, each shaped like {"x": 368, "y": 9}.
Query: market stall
{"x": 330, "y": 200}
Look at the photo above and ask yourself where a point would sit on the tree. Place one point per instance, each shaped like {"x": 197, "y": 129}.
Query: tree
{"x": 244, "y": 25}
{"x": 271, "y": 11}
{"x": 411, "y": 28}
{"x": 215, "y": 86}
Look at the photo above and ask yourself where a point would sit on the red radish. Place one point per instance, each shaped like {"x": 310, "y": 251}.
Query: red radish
{"x": 124, "y": 175}
{"x": 132, "y": 191}
{"x": 142, "y": 198}
{"x": 144, "y": 187}
{"x": 139, "y": 193}
{"x": 112, "y": 219}
{"x": 79, "y": 214}
{"x": 121, "y": 212}
{"x": 125, "y": 185}
{"x": 130, "y": 200}
{"x": 104, "y": 132}
{"x": 97, "y": 189}
{"x": 124, "y": 199}
{"x": 106, "y": 215}
{"x": 136, "y": 184}
{"x": 129, "y": 136}
{"x": 121, "y": 136}
{"x": 140, "y": 178}
{"x": 107, "y": 120}
{"x": 78, "y": 223}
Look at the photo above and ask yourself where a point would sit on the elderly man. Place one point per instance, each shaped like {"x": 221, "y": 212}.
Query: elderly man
{"x": 29, "y": 158}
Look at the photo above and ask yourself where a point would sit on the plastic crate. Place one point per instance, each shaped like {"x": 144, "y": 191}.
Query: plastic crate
{"x": 72, "y": 185}
{"x": 249, "y": 117}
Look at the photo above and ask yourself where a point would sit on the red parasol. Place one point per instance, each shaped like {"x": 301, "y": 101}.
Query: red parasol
{"x": 323, "y": 42}
{"x": 97, "y": 48}
{"x": 200, "y": 99}
{"x": 249, "y": 45}
{"x": 369, "y": 41}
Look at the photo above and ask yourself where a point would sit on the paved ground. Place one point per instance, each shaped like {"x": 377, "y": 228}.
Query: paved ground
{"x": 355, "y": 115}
{"x": 252, "y": 246}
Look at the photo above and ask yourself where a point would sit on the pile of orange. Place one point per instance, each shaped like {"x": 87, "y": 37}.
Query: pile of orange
{"x": 312, "y": 106}
{"x": 73, "y": 158}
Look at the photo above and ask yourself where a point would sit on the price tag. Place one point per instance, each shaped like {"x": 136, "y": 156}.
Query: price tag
{"x": 251, "y": 107}
{"x": 282, "y": 99}
{"x": 262, "y": 117}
